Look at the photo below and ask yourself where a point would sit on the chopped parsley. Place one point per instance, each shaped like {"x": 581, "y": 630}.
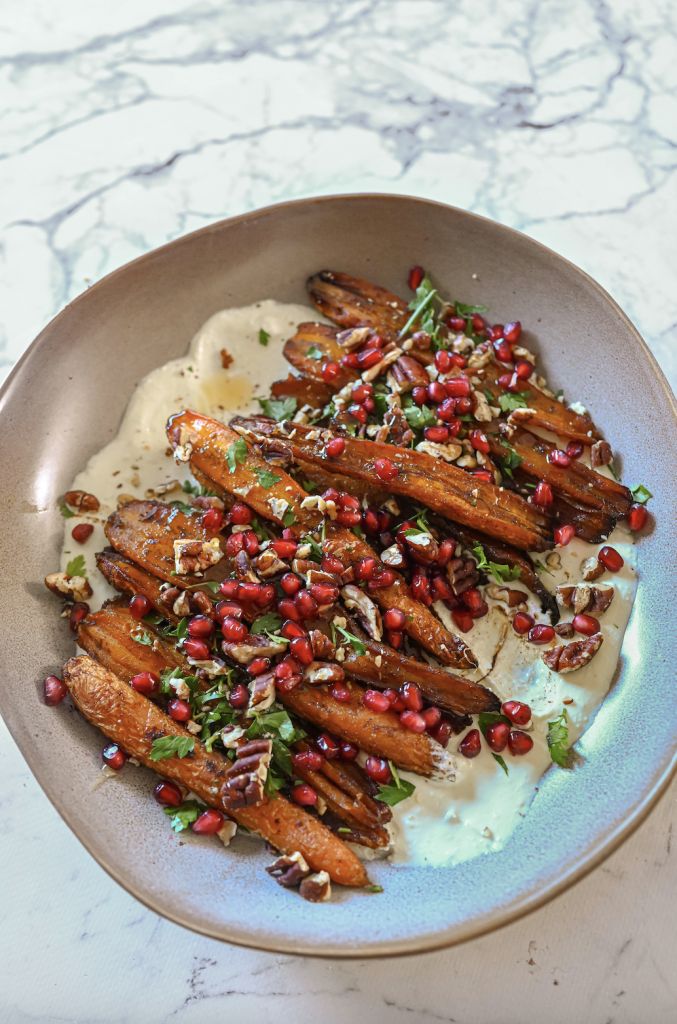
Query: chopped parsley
{"x": 171, "y": 746}
{"x": 641, "y": 494}
{"x": 140, "y": 636}
{"x": 266, "y": 478}
{"x": 371, "y": 888}
{"x": 509, "y": 401}
{"x": 184, "y": 815}
{"x": 500, "y": 760}
{"x": 278, "y": 408}
{"x": 396, "y": 791}
{"x": 353, "y": 640}
{"x": 76, "y": 567}
{"x": 420, "y": 304}
{"x": 467, "y": 311}
{"x": 288, "y": 519}
{"x": 267, "y": 623}
{"x": 65, "y": 511}
{"x": 418, "y": 416}
{"x": 558, "y": 740}
{"x": 501, "y": 572}
{"x": 315, "y": 353}
{"x": 197, "y": 489}
{"x": 236, "y": 453}
{"x": 511, "y": 460}
{"x": 264, "y": 337}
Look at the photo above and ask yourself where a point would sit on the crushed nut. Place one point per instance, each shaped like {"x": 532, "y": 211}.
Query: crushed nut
{"x": 227, "y": 832}
{"x": 353, "y": 337}
{"x": 448, "y": 452}
{"x": 483, "y": 413}
{"x": 75, "y": 588}
{"x": 591, "y": 569}
{"x": 393, "y": 557}
{"x": 316, "y": 888}
{"x": 425, "y": 547}
{"x": 507, "y": 595}
{"x": 553, "y": 560}
{"x": 246, "y": 777}
{"x": 81, "y": 501}
{"x": 570, "y": 657}
{"x": 181, "y": 606}
{"x": 565, "y": 630}
{"x": 268, "y": 564}
{"x": 321, "y": 644}
{"x": 255, "y": 646}
{"x": 408, "y": 373}
{"x": 367, "y": 612}
{"x": 323, "y": 672}
{"x": 600, "y": 454}
{"x": 289, "y": 869}
{"x": 194, "y": 556}
{"x": 262, "y": 692}
{"x": 585, "y": 598}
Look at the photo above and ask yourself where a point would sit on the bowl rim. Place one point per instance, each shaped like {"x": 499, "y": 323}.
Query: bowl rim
{"x": 475, "y": 927}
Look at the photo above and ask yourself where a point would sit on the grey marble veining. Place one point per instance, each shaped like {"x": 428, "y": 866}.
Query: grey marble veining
{"x": 124, "y": 126}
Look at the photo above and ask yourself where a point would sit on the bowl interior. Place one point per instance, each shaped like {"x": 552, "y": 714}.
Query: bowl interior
{"x": 65, "y": 401}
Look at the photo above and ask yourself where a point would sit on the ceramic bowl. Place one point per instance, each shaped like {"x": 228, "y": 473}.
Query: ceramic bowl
{"x": 64, "y": 401}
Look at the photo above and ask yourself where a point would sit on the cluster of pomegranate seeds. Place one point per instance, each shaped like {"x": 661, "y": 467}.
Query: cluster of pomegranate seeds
{"x": 113, "y": 756}
{"x": 501, "y": 734}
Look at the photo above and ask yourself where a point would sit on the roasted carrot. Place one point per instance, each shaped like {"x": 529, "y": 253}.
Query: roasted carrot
{"x": 353, "y": 302}
{"x": 317, "y": 338}
{"x": 145, "y": 531}
{"x": 305, "y": 390}
{"x": 115, "y": 638}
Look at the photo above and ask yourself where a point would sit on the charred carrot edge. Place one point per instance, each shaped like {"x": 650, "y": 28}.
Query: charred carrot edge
{"x": 444, "y": 488}
{"x": 303, "y": 389}
{"x": 353, "y": 302}
{"x": 128, "y": 718}
{"x": 129, "y": 578}
{"x": 590, "y": 524}
{"x": 210, "y": 442}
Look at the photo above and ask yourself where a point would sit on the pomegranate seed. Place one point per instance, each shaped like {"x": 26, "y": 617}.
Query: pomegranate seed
{"x": 512, "y": 331}
{"x": 395, "y": 700}
{"x": 478, "y": 323}
{"x": 332, "y": 564}
{"x": 415, "y": 277}
{"x": 456, "y": 323}
{"x": 458, "y": 360}
{"x": 472, "y": 599}
{"x": 291, "y": 629}
{"x": 519, "y": 743}
{"x": 349, "y": 751}
{"x": 442, "y": 733}
{"x": 284, "y": 548}
{"x": 381, "y": 578}
{"x": 79, "y": 611}
{"x": 349, "y": 517}
{"x": 471, "y": 744}
{"x": 543, "y": 494}
{"x": 437, "y": 434}
{"x": 375, "y": 701}
{"x": 328, "y": 745}
{"x": 564, "y": 534}
{"x": 168, "y": 794}
{"x": 436, "y": 392}
{"x": 464, "y": 406}
{"x": 179, "y": 710}
{"x": 504, "y": 380}
{"x": 54, "y": 690}
{"x": 574, "y": 449}
{"x": 200, "y": 626}
{"x": 301, "y": 649}
{"x": 290, "y": 584}
{"x": 306, "y": 605}
{"x": 239, "y": 696}
{"x": 497, "y": 736}
{"x": 349, "y": 360}
{"x": 378, "y": 769}
{"x": 369, "y": 404}
{"x": 365, "y": 568}
{"x": 234, "y": 544}
{"x": 585, "y": 624}
{"x": 523, "y": 369}
{"x": 310, "y": 759}
{"x": 208, "y": 823}
{"x": 335, "y": 448}
{"x": 447, "y": 410}
{"x": 139, "y": 606}
{"x": 412, "y": 721}
{"x": 420, "y": 589}
{"x": 412, "y": 697}
{"x": 233, "y": 630}
{"x": 370, "y": 521}
{"x": 304, "y": 795}
{"x": 213, "y": 520}
{"x": 394, "y": 618}
{"x": 443, "y": 361}
{"x": 198, "y": 650}
{"x": 330, "y": 371}
{"x": 224, "y": 608}
{"x": 541, "y": 634}
{"x": 458, "y": 387}
{"x": 82, "y": 532}
{"x": 230, "y": 588}
{"x": 368, "y": 358}
{"x": 288, "y": 534}
{"x": 447, "y": 549}
{"x": 496, "y": 332}
{"x": 637, "y": 518}
{"x": 483, "y": 474}
{"x": 432, "y": 717}
{"x": 441, "y": 589}
{"x": 287, "y": 609}
{"x": 251, "y": 543}
{"x": 385, "y": 469}
{"x": 517, "y": 712}
{"x": 522, "y": 622}
{"x": 146, "y": 683}
{"x": 479, "y": 442}
{"x": 361, "y": 392}
{"x": 113, "y": 756}
{"x": 395, "y": 639}
{"x": 258, "y": 666}
{"x": 324, "y": 593}
{"x": 462, "y": 620}
{"x": 556, "y": 457}
{"x": 419, "y": 395}
{"x": 503, "y": 351}
{"x": 240, "y": 515}
{"x": 340, "y": 692}
{"x": 610, "y": 558}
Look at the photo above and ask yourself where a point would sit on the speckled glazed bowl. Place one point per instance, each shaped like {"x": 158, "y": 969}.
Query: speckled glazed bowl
{"x": 64, "y": 401}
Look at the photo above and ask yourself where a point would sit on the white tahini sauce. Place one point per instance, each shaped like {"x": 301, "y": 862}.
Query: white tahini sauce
{"x": 444, "y": 822}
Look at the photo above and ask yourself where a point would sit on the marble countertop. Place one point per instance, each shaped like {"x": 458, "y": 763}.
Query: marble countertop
{"x": 128, "y": 125}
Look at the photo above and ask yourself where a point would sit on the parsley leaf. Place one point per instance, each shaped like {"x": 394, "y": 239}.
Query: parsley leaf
{"x": 197, "y": 489}
{"x": 264, "y": 337}
{"x": 558, "y": 740}
{"x": 511, "y": 460}
{"x": 236, "y": 453}
{"x": 76, "y": 567}
{"x": 275, "y": 722}
{"x": 641, "y": 494}
{"x": 501, "y": 572}
{"x": 418, "y": 416}
{"x": 314, "y": 352}
{"x": 140, "y": 636}
{"x": 424, "y": 298}
{"x": 509, "y": 401}
{"x": 394, "y": 793}
{"x": 288, "y": 519}
{"x": 184, "y": 815}
{"x": 65, "y": 511}
{"x": 171, "y": 746}
{"x": 354, "y": 641}
{"x": 268, "y": 622}
{"x": 467, "y": 311}
{"x": 279, "y": 408}
{"x": 266, "y": 478}
{"x": 499, "y": 760}
{"x": 488, "y": 718}
{"x": 371, "y": 888}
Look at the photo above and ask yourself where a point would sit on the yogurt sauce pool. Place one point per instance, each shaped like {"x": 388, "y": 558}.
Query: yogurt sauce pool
{"x": 444, "y": 822}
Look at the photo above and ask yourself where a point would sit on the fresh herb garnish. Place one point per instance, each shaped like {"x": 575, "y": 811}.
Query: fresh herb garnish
{"x": 266, "y": 478}
{"x": 354, "y": 641}
{"x": 184, "y": 815}
{"x": 140, "y": 636}
{"x": 462, "y": 309}
{"x": 266, "y": 623}
{"x": 422, "y": 301}
{"x": 180, "y": 630}
{"x": 394, "y": 793}
{"x": 171, "y": 746}
{"x": 508, "y": 401}
{"x": 371, "y": 888}
{"x": 501, "y": 572}
{"x": 264, "y": 337}
{"x": 65, "y": 511}
{"x": 278, "y": 408}
{"x": 499, "y": 760}
{"x": 418, "y": 416}
{"x": 511, "y": 460}
{"x": 197, "y": 489}
{"x": 641, "y": 494}
{"x": 315, "y": 353}
{"x": 288, "y": 519}
{"x": 76, "y": 567}
{"x": 558, "y": 740}
{"x": 211, "y": 585}
{"x": 236, "y": 453}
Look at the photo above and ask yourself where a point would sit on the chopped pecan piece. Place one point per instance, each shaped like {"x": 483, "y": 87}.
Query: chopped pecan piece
{"x": 289, "y": 870}
{"x": 75, "y": 588}
{"x": 208, "y": 501}
{"x": 262, "y": 690}
{"x": 448, "y": 452}
{"x": 423, "y": 545}
{"x": 591, "y": 569}
{"x": 323, "y": 672}
{"x": 268, "y": 564}
{"x": 316, "y": 888}
{"x": 408, "y": 374}
{"x": 81, "y": 501}
{"x": 181, "y": 605}
{"x": 584, "y": 598}
{"x": 462, "y": 573}
{"x": 321, "y": 644}
{"x": 565, "y": 630}
{"x": 507, "y": 595}
{"x": 600, "y": 454}
{"x": 367, "y": 612}
{"x": 246, "y": 777}
{"x": 353, "y": 337}
{"x": 398, "y": 428}
{"x": 255, "y": 646}
{"x": 570, "y": 657}
{"x": 194, "y": 556}
{"x": 199, "y": 601}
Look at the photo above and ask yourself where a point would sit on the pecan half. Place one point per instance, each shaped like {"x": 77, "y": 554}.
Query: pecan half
{"x": 289, "y": 870}
{"x": 393, "y": 557}
{"x": 570, "y": 657}
{"x": 316, "y": 888}
{"x": 367, "y": 612}
{"x": 423, "y": 546}
{"x": 600, "y": 454}
{"x": 262, "y": 691}
{"x": 408, "y": 374}
{"x": 321, "y": 644}
{"x": 194, "y": 556}
{"x": 462, "y": 573}
{"x": 81, "y": 501}
{"x": 507, "y": 595}
{"x": 353, "y": 337}
{"x": 565, "y": 630}
{"x": 75, "y": 588}
{"x": 246, "y": 777}
{"x": 323, "y": 672}
{"x": 584, "y": 598}
{"x": 591, "y": 569}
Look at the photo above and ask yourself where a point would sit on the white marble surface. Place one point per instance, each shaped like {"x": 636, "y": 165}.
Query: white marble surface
{"x": 126, "y": 124}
